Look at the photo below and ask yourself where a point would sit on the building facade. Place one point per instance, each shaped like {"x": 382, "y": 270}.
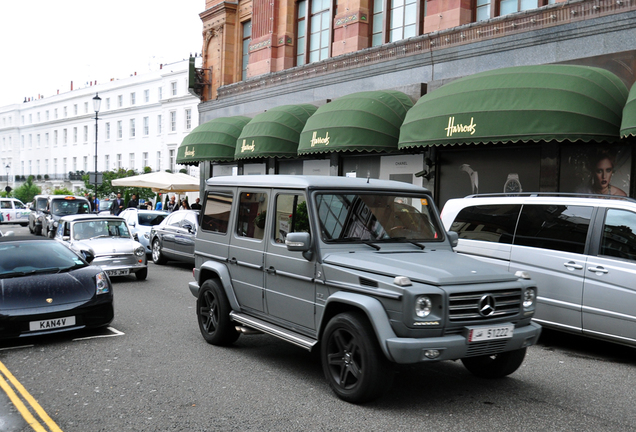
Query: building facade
{"x": 141, "y": 122}
{"x": 258, "y": 55}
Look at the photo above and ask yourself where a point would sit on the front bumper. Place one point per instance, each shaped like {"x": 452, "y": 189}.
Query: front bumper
{"x": 131, "y": 263}
{"x": 411, "y": 350}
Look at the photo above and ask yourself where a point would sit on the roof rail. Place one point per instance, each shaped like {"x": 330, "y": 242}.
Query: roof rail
{"x": 552, "y": 194}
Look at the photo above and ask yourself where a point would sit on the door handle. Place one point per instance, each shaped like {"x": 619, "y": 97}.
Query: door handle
{"x": 232, "y": 261}
{"x": 573, "y": 266}
{"x": 271, "y": 270}
{"x": 598, "y": 270}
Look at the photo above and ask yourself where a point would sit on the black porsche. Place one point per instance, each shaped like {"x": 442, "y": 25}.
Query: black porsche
{"x": 45, "y": 287}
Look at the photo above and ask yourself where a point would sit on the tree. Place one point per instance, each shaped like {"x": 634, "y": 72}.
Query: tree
{"x": 62, "y": 191}
{"x": 27, "y": 191}
{"x": 107, "y": 190}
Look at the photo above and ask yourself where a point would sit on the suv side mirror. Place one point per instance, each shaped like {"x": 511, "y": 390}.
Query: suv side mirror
{"x": 453, "y": 237}
{"x": 299, "y": 242}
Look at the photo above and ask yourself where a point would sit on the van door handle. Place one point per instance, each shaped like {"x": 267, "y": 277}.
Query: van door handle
{"x": 232, "y": 261}
{"x": 572, "y": 265}
{"x": 271, "y": 270}
{"x": 598, "y": 270}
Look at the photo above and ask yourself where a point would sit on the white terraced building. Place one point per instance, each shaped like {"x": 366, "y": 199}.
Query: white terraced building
{"x": 141, "y": 122}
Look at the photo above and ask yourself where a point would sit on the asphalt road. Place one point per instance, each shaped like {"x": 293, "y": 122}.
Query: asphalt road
{"x": 160, "y": 375}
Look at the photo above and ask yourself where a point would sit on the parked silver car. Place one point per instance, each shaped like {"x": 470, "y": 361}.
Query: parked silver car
{"x": 108, "y": 238}
{"x": 581, "y": 251}
{"x": 141, "y": 222}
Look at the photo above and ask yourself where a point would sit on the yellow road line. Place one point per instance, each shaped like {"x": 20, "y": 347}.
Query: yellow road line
{"x": 17, "y": 402}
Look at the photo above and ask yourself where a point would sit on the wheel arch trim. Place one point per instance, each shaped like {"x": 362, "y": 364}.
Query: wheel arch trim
{"x": 370, "y": 306}
{"x": 218, "y": 271}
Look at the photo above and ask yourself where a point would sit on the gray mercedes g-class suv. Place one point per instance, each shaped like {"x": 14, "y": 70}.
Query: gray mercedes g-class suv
{"x": 360, "y": 269}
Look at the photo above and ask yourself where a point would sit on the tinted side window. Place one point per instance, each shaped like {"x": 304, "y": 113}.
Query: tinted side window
{"x": 252, "y": 215}
{"x": 216, "y": 213}
{"x": 619, "y": 234}
{"x": 558, "y": 227}
{"x": 291, "y": 216}
{"x": 493, "y": 223}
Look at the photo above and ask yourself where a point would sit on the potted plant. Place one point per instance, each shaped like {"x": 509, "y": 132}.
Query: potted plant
{"x": 259, "y": 220}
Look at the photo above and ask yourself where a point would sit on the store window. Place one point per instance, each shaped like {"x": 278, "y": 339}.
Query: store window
{"x": 313, "y": 22}
{"x": 486, "y": 9}
{"x": 247, "y": 37}
{"x": 394, "y": 20}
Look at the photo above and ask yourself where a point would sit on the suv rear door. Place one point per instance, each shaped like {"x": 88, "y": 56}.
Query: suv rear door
{"x": 609, "y": 296}
{"x": 550, "y": 243}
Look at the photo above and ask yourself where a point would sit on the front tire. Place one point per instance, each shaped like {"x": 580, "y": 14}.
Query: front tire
{"x": 352, "y": 361}
{"x": 213, "y": 313}
{"x": 157, "y": 256}
{"x": 142, "y": 274}
{"x": 495, "y": 366}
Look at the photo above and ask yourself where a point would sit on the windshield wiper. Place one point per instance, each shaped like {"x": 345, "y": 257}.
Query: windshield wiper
{"x": 73, "y": 267}
{"x": 356, "y": 240}
{"x": 405, "y": 240}
{"x": 100, "y": 236}
{"x": 30, "y": 272}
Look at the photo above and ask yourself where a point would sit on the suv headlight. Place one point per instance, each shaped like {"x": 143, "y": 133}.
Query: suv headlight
{"x": 423, "y": 306}
{"x": 102, "y": 286}
{"x": 529, "y": 297}
{"x": 140, "y": 251}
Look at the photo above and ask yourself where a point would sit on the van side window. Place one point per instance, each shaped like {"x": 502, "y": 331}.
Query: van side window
{"x": 619, "y": 234}
{"x": 252, "y": 215}
{"x": 216, "y": 212}
{"x": 558, "y": 227}
{"x": 492, "y": 223}
{"x": 291, "y": 215}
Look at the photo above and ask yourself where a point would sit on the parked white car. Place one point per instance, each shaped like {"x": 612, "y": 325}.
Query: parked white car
{"x": 13, "y": 211}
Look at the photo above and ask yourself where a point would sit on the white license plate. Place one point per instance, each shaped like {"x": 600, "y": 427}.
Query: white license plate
{"x": 123, "y": 272}
{"x": 52, "y": 323}
{"x": 476, "y": 334}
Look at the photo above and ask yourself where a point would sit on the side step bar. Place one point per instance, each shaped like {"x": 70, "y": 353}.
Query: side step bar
{"x": 274, "y": 330}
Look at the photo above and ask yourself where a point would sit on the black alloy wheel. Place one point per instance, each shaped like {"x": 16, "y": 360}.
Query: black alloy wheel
{"x": 213, "y": 313}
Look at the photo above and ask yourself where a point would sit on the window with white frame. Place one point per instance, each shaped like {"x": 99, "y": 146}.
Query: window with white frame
{"x": 131, "y": 161}
{"x": 188, "y": 119}
{"x": 146, "y": 126}
{"x": 171, "y": 160}
{"x": 173, "y": 121}
{"x": 132, "y": 128}
{"x": 65, "y": 112}
{"x": 85, "y": 107}
{"x": 106, "y": 162}
{"x": 108, "y": 103}
{"x": 119, "y": 161}
{"x": 46, "y": 139}
{"x": 22, "y": 141}
{"x": 120, "y": 132}
{"x": 144, "y": 160}
{"x": 65, "y": 137}
{"x": 173, "y": 88}
{"x": 74, "y": 109}
{"x": 54, "y": 165}
{"x": 247, "y": 38}
{"x": 38, "y": 117}
{"x": 160, "y": 93}
{"x": 46, "y": 115}
{"x": 120, "y": 101}
{"x": 30, "y": 118}
{"x": 85, "y": 164}
{"x": 133, "y": 98}
{"x": 75, "y": 135}
{"x": 159, "y": 161}
{"x": 55, "y": 138}
{"x": 107, "y": 131}
{"x": 46, "y": 166}
{"x": 85, "y": 133}
{"x": 64, "y": 166}
{"x": 159, "y": 124}
{"x": 146, "y": 96}
{"x": 37, "y": 140}
{"x": 74, "y": 163}
{"x": 30, "y": 141}
{"x": 55, "y": 112}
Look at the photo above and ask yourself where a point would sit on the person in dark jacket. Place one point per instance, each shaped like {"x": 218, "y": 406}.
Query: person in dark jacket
{"x": 134, "y": 202}
{"x": 117, "y": 206}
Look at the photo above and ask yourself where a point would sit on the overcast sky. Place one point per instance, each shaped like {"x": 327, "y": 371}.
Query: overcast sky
{"x": 46, "y": 44}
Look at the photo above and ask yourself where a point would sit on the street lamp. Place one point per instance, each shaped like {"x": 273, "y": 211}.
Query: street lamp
{"x": 8, "y": 167}
{"x": 97, "y": 101}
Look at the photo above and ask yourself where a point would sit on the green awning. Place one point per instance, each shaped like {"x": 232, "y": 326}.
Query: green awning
{"x": 526, "y": 103}
{"x": 274, "y": 133}
{"x": 366, "y": 121}
{"x": 628, "y": 125}
{"x": 213, "y": 141}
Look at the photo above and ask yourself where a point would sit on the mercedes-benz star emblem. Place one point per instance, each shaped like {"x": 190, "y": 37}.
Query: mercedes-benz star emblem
{"x": 486, "y": 305}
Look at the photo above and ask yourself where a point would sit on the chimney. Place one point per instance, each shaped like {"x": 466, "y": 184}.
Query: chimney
{"x": 71, "y": 85}
{"x": 58, "y": 91}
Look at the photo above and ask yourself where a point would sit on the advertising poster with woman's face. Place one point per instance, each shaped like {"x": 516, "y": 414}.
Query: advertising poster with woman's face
{"x": 596, "y": 169}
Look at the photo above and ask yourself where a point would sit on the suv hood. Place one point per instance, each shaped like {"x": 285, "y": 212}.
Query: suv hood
{"x": 431, "y": 267}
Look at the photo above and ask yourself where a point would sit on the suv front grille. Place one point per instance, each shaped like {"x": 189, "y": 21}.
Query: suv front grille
{"x": 467, "y": 306}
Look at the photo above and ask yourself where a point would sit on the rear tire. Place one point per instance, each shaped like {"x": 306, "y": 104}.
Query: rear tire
{"x": 495, "y": 366}
{"x": 213, "y": 313}
{"x": 352, "y": 361}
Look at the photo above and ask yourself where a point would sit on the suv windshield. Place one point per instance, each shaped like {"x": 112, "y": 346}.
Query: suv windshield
{"x": 366, "y": 217}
